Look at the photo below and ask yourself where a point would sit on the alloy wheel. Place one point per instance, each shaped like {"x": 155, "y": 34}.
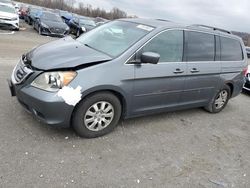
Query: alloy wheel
{"x": 99, "y": 116}
{"x": 221, "y": 99}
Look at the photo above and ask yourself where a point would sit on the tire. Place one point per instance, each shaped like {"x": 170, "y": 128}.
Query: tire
{"x": 216, "y": 105}
{"x": 78, "y": 33}
{"x": 39, "y": 30}
{"x": 97, "y": 107}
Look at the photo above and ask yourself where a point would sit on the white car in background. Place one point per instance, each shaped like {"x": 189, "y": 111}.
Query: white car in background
{"x": 8, "y": 16}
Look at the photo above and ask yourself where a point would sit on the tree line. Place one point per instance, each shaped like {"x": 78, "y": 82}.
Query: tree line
{"x": 81, "y": 9}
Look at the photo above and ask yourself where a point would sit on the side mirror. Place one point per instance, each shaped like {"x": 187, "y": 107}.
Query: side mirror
{"x": 150, "y": 57}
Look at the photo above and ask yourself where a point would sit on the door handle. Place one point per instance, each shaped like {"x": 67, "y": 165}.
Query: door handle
{"x": 178, "y": 71}
{"x": 194, "y": 70}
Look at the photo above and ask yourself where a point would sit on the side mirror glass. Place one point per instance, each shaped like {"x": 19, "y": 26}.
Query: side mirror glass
{"x": 150, "y": 57}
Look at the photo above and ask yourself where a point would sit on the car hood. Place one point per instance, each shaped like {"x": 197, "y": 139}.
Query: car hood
{"x": 7, "y": 15}
{"x": 51, "y": 24}
{"x": 64, "y": 53}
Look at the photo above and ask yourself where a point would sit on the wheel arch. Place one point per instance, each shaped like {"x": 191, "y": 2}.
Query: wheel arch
{"x": 113, "y": 90}
{"x": 231, "y": 86}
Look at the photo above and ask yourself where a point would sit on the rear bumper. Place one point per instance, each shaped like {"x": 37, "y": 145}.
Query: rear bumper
{"x": 45, "y": 106}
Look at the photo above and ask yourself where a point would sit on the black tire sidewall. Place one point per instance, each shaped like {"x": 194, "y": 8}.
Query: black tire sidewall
{"x": 78, "y": 116}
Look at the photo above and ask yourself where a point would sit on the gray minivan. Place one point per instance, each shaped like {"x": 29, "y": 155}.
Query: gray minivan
{"x": 128, "y": 68}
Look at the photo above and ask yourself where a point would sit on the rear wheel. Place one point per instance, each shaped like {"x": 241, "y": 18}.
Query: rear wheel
{"x": 220, "y": 100}
{"x": 97, "y": 115}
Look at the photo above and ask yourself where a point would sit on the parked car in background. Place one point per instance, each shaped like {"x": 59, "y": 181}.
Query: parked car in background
{"x": 8, "y": 16}
{"x": 23, "y": 11}
{"x": 247, "y": 79}
{"x": 31, "y": 13}
{"x": 81, "y": 24}
{"x": 66, "y": 16}
{"x": 128, "y": 68}
{"x": 48, "y": 23}
{"x": 6, "y": 2}
{"x": 99, "y": 21}
{"x": 248, "y": 51}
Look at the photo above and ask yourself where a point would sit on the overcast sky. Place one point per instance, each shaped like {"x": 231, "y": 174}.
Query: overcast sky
{"x": 228, "y": 14}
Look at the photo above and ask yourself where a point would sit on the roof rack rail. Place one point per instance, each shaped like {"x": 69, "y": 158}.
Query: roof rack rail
{"x": 159, "y": 19}
{"x": 213, "y": 28}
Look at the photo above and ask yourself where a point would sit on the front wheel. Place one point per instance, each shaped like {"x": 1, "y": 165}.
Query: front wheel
{"x": 97, "y": 115}
{"x": 220, "y": 100}
{"x": 78, "y": 33}
{"x": 39, "y": 30}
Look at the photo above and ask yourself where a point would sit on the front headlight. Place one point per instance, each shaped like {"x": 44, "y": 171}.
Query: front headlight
{"x": 44, "y": 25}
{"x": 53, "y": 81}
{"x": 83, "y": 29}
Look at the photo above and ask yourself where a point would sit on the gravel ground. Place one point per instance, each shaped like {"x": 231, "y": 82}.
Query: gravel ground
{"x": 188, "y": 149}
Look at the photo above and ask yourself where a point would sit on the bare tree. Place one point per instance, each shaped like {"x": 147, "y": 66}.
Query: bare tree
{"x": 82, "y": 9}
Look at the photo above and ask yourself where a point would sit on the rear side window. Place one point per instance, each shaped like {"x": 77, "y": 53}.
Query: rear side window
{"x": 169, "y": 45}
{"x": 230, "y": 50}
{"x": 199, "y": 46}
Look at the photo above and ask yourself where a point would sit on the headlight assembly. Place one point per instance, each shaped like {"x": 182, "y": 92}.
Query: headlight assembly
{"x": 44, "y": 25}
{"x": 84, "y": 29}
{"x": 53, "y": 81}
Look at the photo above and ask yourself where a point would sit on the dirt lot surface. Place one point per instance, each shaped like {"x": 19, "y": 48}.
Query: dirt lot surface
{"x": 188, "y": 149}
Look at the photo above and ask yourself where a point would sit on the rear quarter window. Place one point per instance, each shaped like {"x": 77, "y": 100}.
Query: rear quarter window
{"x": 231, "y": 49}
{"x": 199, "y": 46}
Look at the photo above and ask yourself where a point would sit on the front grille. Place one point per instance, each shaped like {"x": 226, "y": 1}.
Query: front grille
{"x": 57, "y": 31}
{"x": 20, "y": 72}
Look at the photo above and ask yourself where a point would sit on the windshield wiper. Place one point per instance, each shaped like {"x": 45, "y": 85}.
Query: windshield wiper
{"x": 98, "y": 50}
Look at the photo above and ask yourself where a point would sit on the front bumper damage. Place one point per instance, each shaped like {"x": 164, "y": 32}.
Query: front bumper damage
{"x": 46, "y": 107}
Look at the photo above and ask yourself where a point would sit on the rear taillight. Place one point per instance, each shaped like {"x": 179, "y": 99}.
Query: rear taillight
{"x": 245, "y": 71}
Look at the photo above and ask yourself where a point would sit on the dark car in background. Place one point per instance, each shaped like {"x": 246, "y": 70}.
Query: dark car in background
{"x": 31, "y": 14}
{"x": 247, "y": 79}
{"x": 248, "y": 51}
{"x": 81, "y": 24}
{"x": 66, "y": 16}
{"x": 48, "y": 23}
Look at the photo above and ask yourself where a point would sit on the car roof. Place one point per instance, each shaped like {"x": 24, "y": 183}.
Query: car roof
{"x": 166, "y": 24}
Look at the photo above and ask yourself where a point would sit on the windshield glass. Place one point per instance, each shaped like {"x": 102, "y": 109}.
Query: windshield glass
{"x": 51, "y": 17}
{"x": 114, "y": 37}
{"x": 8, "y": 9}
{"x": 87, "y": 22}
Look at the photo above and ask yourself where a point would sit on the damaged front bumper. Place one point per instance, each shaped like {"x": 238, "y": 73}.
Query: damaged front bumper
{"x": 45, "y": 106}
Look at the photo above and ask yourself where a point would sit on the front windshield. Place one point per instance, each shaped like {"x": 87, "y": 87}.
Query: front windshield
{"x": 114, "y": 37}
{"x": 87, "y": 22}
{"x": 51, "y": 17}
{"x": 8, "y": 9}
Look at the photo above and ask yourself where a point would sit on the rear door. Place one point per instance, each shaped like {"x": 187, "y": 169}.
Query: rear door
{"x": 159, "y": 86}
{"x": 202, "y": 51}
